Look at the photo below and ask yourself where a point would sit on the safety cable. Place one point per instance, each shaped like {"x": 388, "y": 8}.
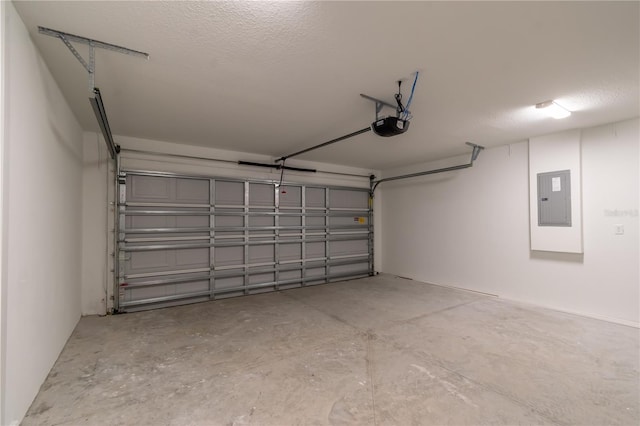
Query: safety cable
{"x": 407, "y": 113}
{"x": 281, "y": 173}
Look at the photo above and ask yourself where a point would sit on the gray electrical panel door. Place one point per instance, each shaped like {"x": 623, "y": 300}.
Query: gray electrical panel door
{"x": 554, "y": 198}
{"x": 185, "y": 239}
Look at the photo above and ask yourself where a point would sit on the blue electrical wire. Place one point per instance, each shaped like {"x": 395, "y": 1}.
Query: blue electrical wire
{"x": 406, "y": 112}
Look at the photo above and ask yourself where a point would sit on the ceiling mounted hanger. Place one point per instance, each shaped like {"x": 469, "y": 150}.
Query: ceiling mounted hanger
{"x": 90, "y": 66}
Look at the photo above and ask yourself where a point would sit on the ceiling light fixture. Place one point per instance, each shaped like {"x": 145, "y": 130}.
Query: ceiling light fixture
{"x": 552, "y": 109}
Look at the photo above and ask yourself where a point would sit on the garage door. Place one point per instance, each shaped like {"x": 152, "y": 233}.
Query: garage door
{"x": 185, "y": 239}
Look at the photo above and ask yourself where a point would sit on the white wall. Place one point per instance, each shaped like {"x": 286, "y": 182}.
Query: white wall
{"x": 41, "y": 236}
{"x": 470, "y": 229}
{"x": 98, "y": 214}
{"x": 3, "y": 298}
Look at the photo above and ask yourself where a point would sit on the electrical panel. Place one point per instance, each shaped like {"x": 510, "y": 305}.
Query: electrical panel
{"x": 554, "y": 198}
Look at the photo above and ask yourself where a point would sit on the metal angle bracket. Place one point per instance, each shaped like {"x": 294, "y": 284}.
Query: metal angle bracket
{"x": 379, "y": 104}
{"x": 67, "y": 38}
{"x": 476, "y": 150}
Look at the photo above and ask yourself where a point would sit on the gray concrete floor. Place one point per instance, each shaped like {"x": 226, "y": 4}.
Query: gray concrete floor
{"x": 381, "y": 350}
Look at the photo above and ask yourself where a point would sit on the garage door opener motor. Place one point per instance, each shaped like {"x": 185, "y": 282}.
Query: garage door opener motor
{"x": 392, "y": 126}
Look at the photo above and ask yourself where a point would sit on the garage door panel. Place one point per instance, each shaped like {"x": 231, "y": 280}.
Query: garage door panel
{"x": 261, "y": 194}
{"x": 315, "y": 221}
{"x": 290, "y": 196}
{"x": 314, "y": 250}
{"x": 148, "y": 261}
{"x": 192, "y": 191}
{"x": 149, "y": 188}
{"x": 354, "y": 220}
{"x": 348, "y": 199}
{"x": 229, "y": 283}
{"x": 261, "y": 253}
{"x": 168, "y": 236}
{"x": 229, "y": 193}
{"x": 193, "y": 258}
{"x": 160, "y": 305}
{"x": 315, "y": 197}
{"x": 228, "y": 256}
{"x": 348, "y": 269}
{"x": 261, "y": 221}
{"x": 166, "y": 260}
{"x": 290, "y": 275}
{"x": 141, "y": 222}
{"x": 222, "y": 248}
{"x": 290, "y": 221}
{"x": 167, "y": 190}
{"x": 166, "y": 221}
{"x": 262, "y": 235}
{"x": 192, "y": 287}
{"x": 229, "y": 236}
{"x": 291, "y": 251}
{"x": 229, "y": 221}
{"x": 145, "y": 293}
{"x": 191, "y": 221}
{"x": 167, "y": 295}
{"x": 262, "y": 278}
{"x": 350, "y": 247}
{"x": 315, "y": 272}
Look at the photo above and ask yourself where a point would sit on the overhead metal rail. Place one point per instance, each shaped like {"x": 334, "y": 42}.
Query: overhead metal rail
{"x": 474, "y": 156}
{"x": 103, "y": 122}
{"x": 332, "y": 141}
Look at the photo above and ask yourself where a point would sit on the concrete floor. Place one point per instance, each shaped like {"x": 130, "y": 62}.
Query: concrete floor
{"x": 380, "y": 350}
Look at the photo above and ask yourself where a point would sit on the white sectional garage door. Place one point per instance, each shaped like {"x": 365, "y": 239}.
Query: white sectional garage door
{"x": 184, "y": 239}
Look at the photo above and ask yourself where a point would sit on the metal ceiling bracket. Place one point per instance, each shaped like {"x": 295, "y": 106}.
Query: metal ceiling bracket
{"x": 379, "y": 104}
{"x": 476, "y": 150}
{"x": 474, "y": 155}
{"x": 75, "y": 52}
{"x": 67, "y": 38}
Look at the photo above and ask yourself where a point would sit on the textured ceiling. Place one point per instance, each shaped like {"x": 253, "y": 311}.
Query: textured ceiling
{"x": 273, "y": 78}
